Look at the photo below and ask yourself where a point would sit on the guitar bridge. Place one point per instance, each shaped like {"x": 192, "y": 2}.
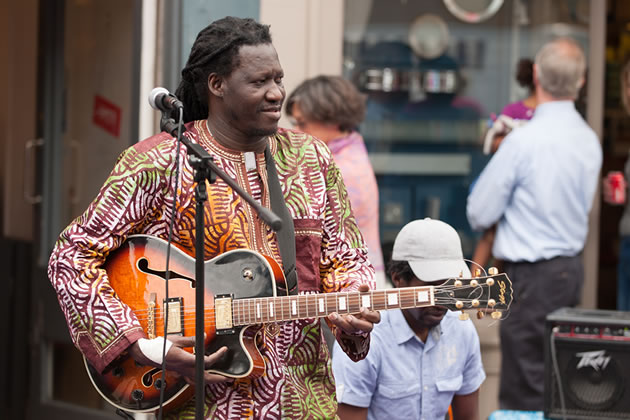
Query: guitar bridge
{"x": 223, "y": 314}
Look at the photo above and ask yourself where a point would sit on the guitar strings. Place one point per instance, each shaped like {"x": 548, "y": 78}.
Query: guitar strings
{"x": 242, "y": 310}
{"x": 281, "y": 300}
{"x": 353, "y": 294}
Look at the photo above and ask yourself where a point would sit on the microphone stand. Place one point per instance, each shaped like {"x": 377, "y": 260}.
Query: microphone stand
{"x": 204, "y": 169}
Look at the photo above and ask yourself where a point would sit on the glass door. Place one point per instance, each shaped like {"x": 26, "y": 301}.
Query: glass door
{"x": 89, "y": 62}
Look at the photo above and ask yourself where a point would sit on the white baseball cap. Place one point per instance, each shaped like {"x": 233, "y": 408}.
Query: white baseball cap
{"x": 432, "y": 248}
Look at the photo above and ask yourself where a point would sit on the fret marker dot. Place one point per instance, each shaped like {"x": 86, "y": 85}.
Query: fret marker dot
{"x": 342, "y": 303}
{"x": 392, "y": 298}
{"x": 423, "y": 296}
{"x": 366, "y": 301}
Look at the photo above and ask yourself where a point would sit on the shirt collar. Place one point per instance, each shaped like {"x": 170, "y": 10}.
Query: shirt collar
{"x": 402, "y": 332}
{"x": 554, "y": 106}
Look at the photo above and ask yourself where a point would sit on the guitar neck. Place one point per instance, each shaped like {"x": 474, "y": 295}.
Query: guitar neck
{"x": 288, "y": 308}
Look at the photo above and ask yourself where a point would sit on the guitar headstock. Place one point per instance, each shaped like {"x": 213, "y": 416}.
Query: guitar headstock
{"x": 492, "y": 293}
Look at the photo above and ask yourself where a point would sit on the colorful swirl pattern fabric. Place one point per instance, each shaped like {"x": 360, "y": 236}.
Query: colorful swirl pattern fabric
{"x": 137, "y": 198}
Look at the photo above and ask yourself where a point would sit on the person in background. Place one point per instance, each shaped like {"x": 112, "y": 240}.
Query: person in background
{"x": 421, "y": 360}
{"x": 232, "y": 94}
{"x": 615, "y": 198}
{"x": 524, "y": 109}
{"x": 331, "y": 108}
{"x": 512, "y": 116}
{"x": 539, "y": 188}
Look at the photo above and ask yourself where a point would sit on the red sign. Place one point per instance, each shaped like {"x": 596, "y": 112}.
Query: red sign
{"x": 106, "y": 115}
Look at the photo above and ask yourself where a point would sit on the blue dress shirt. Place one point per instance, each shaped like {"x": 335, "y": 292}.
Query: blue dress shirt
{"x": 539, "y": 186}
{"x": 404, "y": 378}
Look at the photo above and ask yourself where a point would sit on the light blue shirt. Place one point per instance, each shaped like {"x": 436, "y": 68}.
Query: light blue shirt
{"x": 404, "y": 378}
{"x": 539, "y": 186}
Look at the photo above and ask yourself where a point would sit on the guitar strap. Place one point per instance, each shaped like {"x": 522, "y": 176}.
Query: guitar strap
{"x": 286, "y": 234}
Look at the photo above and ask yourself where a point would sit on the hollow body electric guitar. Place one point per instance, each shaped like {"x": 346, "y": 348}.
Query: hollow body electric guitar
{"x": 240, "y": 297}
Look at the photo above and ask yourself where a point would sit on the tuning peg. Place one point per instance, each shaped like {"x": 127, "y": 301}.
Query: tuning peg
{"x": 477, "y": 272}
{"x": 496, "y": 315}
{"x": 490, "y": 281}
{"x": 493, "y": 271}
{"x": 464, "y": 316}
{"x": 492, "y": 303}
{"x": 458, "y": 283}
{"x": 459, "y": 304}
{"x": 480, "y": 315}
{"x": 461, "y": 273}
{"x": 475, "y": 303}
{"x": 474, "y": 283}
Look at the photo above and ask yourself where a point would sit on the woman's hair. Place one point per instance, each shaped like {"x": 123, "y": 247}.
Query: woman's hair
{"x": 215, "y": 51}
{"x": 329, "y": 99}
{"x": 625, "y": 74}
{"x": 525, "y": 73}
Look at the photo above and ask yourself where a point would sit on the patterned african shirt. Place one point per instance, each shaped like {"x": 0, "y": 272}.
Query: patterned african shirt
{"x": 138, "y": 197}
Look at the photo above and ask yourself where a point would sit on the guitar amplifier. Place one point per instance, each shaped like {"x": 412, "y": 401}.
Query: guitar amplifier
{"x": 587, "y": 364}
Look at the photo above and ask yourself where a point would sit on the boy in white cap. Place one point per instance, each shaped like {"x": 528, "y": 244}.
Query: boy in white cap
{"x": 421, "y": 360}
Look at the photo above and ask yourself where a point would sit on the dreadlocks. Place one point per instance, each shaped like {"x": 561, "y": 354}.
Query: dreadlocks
{"x": 215, "y": 51}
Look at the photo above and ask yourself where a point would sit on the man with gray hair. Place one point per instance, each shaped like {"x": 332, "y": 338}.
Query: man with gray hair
{"x": 539, "y": 188}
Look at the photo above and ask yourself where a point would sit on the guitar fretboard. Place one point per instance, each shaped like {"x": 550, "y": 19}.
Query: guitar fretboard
{"x": 286, "y": 308}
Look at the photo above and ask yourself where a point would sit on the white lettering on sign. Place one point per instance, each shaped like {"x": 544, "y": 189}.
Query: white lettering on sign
{"x": 595, "y": 359}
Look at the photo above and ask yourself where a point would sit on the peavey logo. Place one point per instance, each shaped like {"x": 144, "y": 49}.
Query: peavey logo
{"x": 595, "y": 359}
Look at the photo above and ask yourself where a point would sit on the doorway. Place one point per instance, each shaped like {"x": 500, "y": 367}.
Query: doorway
{"x": 74, "y": 69}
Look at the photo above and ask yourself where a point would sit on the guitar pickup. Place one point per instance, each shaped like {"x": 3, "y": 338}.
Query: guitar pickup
{"x": 223, "y": 314}
{"x": 175, "y": 309}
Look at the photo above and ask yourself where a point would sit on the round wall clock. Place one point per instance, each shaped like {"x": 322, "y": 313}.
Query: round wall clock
{"x": 473, "y": 11}
{"x": 428, "y": 36}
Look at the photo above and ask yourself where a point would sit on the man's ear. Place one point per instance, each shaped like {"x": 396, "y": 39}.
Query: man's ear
{"x": 215, "y": 85}
{"x": 580, "y": 83}
{"x": 397, "y": 280}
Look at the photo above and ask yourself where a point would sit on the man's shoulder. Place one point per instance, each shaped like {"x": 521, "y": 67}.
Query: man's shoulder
{"x": 300, "y": 142}
{"x": 455, "y": 327}
{"x": 156, "y": 141}
{"x": 383, "y": 332}
{"x": 157, "y": 146}
{"x": 161, "y": 140}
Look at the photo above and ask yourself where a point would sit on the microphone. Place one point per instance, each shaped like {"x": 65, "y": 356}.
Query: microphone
{"x": 162, "y": 100}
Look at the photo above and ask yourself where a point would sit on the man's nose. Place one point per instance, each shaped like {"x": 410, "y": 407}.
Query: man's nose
{"x": 275, "y": 93}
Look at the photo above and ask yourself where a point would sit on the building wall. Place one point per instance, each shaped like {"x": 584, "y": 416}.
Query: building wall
{"x": 308, "y": 36}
